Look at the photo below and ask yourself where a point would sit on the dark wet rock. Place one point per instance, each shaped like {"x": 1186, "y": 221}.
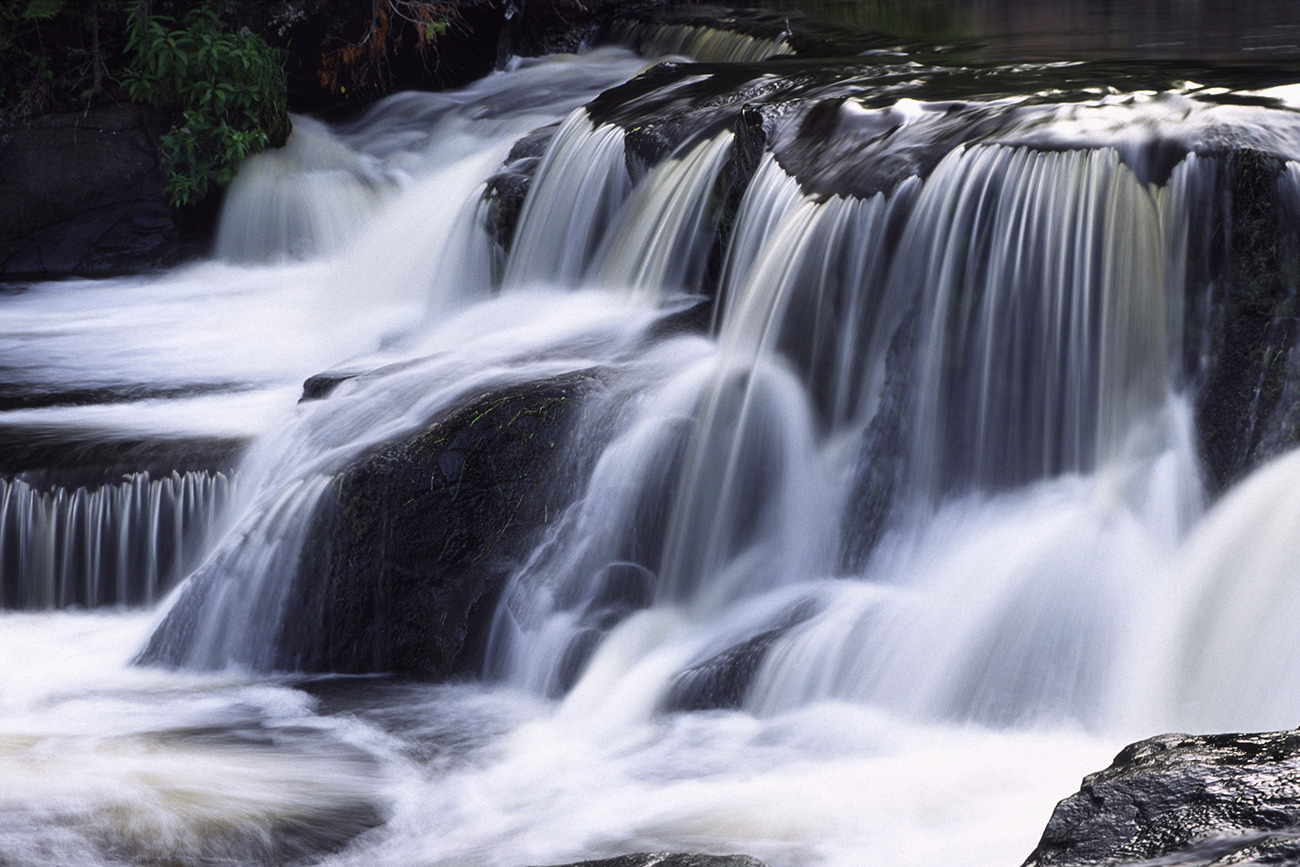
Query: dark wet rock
{"x": 799, "y": 108}
{"x": 696, "y": 317}
{"x": 505, "y": 194}
{"x": 322, "y": 385}
{"x": 750, "y": 130}
{"x": 834, "y": 148}
{"x": 507, "y": 189}
{"x": 16, "y": 394}
{"x": 672, "y": 102}
{"x": 657, "y": 128}
{"x": 88, "y": 457}
{"x": 406, "y": 556}
{"x": 883, "y": 454}
{"x": 1185, "y": 800}
{"x": 1244, "y": 319}
{"x": 532, "y": 145}
{"x": 722, "y": 681}
{"x": 574, "y": 659}
{"x": 45, "y": 459}
{"x": 621, "y": 588}
{"x": 667, "y": 859}
{"x": 81, "y": 193}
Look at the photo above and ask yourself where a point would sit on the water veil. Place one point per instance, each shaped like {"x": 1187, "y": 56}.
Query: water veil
{"x": 884, "y": 514}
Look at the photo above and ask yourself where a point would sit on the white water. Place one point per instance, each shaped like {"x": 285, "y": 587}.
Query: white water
{"x": 1047, "y": 586}
{"x": 700, "y": 42}
{"x": 89, "y": 546}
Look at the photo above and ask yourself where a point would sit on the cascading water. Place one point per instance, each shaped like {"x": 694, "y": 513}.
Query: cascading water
{"x": 699, "y": 42}
{"x": 120, "y": 544}
{"x": 915, "y": 510}
{"x": 1042, "y": 353}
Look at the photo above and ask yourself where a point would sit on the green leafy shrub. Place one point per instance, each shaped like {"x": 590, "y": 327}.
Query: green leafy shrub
{"x": 227, "y": 88}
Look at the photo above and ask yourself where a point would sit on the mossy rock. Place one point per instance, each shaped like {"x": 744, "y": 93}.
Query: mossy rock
{"x": 409, "y": 551}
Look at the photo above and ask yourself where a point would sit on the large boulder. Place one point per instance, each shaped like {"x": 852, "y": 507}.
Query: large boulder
{"x": 82, "y": 193}
{"x": 1185, "y": 800}
{"x": 406, "y": 556}
{"x": 1245, "y": 366}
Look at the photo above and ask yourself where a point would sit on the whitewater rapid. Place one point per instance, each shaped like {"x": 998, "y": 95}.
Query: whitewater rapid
{"x": 1051, "y": 581}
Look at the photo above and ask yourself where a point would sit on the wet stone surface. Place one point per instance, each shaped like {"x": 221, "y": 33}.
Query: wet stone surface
{"x": 1183, "y": 799}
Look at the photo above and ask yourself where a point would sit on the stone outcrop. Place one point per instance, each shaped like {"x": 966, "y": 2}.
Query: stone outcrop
{"x": 506, "y": 190}
{"x": 1185, "y": 800}
{"x": 407, "y": 554}
{"x": 1246, "y": 366}
{"x": 82, "y": 193}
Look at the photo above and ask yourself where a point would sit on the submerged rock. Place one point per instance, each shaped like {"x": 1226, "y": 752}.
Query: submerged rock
{"x": 723, "y": 681}
{"x": 407, "y": 554}
{"x": 1186, "y": 800}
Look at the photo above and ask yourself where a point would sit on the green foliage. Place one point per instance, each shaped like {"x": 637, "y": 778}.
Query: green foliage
{"x": 43, "y": 8}
{"x": 227, "y": 88}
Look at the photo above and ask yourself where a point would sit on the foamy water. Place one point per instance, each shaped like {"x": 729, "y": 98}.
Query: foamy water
{"x": 1045, "y": 580}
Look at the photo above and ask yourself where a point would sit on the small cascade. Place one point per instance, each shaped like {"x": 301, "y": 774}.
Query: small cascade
{"x": 662, "y": 238}
{"x": 302, "y": 200}
{"x": 805, "y": 280}
{"x": 1044, "y": 337}
{"x": 234, "y": 609}
{"x": 121, "y": 544}
{"x": 581, "y": 184}
{"x": 1040, "y": 365}
{"x": 589, "y": 222}
{"x": 699, "y": 42}
{"x": 1030, "y": 302}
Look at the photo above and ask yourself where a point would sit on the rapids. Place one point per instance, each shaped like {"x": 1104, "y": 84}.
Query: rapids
{"x": 923, "y": 524}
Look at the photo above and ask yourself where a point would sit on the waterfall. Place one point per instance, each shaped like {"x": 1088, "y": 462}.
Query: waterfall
{"x": 938, "y": 434}
{"x": 1045, "y": 323}
{"x": 699, "y": 42}
{"x": 928, "y": 433}
{"x": 582, "y": 183}
{"x": 660, "y": 243}
{"x": 117, "y": 544}
{"x": 300, "y": 201}
{"x": 1030, "y": 303}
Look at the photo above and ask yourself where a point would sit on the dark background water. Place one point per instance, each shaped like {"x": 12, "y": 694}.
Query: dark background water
{"x": 1256, "y": 31}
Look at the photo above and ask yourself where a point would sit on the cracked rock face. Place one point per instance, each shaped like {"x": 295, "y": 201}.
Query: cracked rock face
{"x": 1184, "y": 800}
